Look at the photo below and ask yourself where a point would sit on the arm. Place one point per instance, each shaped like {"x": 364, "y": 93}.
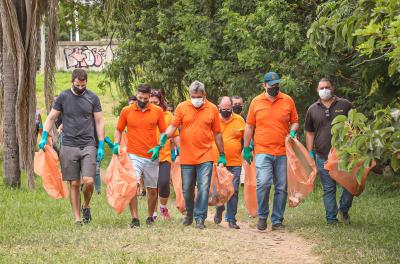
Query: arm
{"x": 310, "y": 140}
{"x": 170, "y": 131}
{"x": 177, "y": 141}
{"x": 248, "y": 134}
{"x": 99, "y": 120}
{"x": 219, "y": 142}
{"x": 294, "y": 127}
{"x": 117, "y": 136}
{"x": 51, "y": 118}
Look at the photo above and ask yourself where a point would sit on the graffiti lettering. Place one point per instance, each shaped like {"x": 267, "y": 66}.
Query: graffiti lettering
{"x": 83, "y": 57}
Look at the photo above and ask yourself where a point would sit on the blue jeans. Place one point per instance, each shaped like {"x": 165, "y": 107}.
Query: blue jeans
{"x": 202, "y": 174}
{"x": 271, "y": 169}
{"x": 233, "y": 202}
{"x": 329, "y": 187}
{"x": 97, "y": 180}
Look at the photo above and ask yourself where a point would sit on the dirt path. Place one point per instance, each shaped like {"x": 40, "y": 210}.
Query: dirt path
{"x": 253, "y": 246}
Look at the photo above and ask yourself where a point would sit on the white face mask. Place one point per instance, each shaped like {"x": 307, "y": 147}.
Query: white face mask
{"x": 197, "y": 102}
{"x": 325, "y": 94}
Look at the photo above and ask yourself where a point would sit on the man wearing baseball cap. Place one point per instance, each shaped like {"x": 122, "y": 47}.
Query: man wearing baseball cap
{"x": 272, "y": 117}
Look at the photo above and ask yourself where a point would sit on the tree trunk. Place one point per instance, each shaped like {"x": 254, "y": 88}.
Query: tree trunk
{"x": 11, "y": 154}
{"x": 1, "y": 88}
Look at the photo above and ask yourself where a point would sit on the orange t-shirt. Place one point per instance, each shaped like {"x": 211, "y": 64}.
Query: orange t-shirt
{"x": 142, "y": 127}
{"x": 198, "y": 126}
{"x": 232, "y": 134}
{"x": 271, "y": 121}
{"x": 165, "y": 153}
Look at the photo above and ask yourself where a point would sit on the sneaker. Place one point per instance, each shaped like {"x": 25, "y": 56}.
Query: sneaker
{"x": 143, "y": 193}
{"x": 87, "y": 217}
{"x": 262, "y": 224}
{"x": 233, "y": 225}
{"x": 78, "y": 223}
{"x": 135, "y": 223}
{"x": 187, "y": 221}
{"x": 150, "y": 220}
{"x": 333, "y": 223}
{"x": 344, "y": 217}
{"x": 200, "y": 224}
{"x": 278, "y": 226}
{"x": 164, "y": 213}
{"x": 218, "y": 215}
{"x": 154, "y": 216}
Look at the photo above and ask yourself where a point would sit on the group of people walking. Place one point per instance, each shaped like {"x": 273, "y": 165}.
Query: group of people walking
{"x": 201, "y": 134}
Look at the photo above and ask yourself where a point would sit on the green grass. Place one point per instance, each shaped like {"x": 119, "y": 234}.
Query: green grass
{"x": 37, "y": 229}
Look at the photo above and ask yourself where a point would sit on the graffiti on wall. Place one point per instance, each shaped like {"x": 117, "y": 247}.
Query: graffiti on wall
{"x": 84, "y": 57}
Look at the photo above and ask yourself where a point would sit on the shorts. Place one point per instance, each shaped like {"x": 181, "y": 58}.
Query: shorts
{"x": 77, "y": 161}
{"x": 145, "y": 168}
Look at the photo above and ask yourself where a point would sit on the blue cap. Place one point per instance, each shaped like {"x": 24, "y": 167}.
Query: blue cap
{"x": 272, "y": 78}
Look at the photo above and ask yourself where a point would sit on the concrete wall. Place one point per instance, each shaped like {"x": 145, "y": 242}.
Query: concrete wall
{"x": 90, "y": 55}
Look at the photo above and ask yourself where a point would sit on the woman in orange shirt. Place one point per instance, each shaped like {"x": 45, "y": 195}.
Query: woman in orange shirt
{"x": 164, "y": 176}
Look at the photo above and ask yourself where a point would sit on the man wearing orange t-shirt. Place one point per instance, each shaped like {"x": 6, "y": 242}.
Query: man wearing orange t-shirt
{"x": 273, "y": 116}
{"x": 199, "y": 122}
{"x": 142, "y": 120}
{"x": 232, "y": 128}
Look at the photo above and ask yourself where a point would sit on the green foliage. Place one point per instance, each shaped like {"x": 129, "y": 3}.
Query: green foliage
{"x": 360, "y": 140}
{"x": 228, "y": 45}
{"x": 363, "y": 36}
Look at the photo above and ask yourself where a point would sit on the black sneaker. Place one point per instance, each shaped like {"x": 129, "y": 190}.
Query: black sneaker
{"x": 135, "y": 223}
{"x": 233, "y": 225}
{"x": 187, "y": 221}
{"x": 200, "y": 224}
{"x": 279, "y": 226}
{"x": 150, "y": 220}
{"x": 143, "y": 193}
{"x": 344, "y": 217}
{"x": 218, "y": 215}
{"x": 262, "y": 224}
{"x": 86, "y": 216}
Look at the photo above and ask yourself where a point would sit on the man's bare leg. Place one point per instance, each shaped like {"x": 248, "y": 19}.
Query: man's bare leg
{"x": 152, "y": 197}
{"x": 133, "y": 207}
{"x": 88, "y": 186}
{"x": 75, "y": 198}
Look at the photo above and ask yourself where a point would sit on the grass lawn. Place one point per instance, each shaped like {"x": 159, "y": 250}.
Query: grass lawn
{"x": 36, "y": 229}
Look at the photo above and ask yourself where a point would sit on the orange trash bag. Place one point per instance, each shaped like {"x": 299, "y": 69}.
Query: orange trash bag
{"x": 221, "y": 186}
{"x": 120, "y": 179}
{"x": 176, "y": 179}
{"x": 301, "y": 172}
{"x": 250, "y": 188}
{"x": 346, "y": 179}
{"x": 46, "y": 164}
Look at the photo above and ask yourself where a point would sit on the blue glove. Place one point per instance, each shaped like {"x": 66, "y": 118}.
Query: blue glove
{"x": 109, "y": 142}
{"x": 292, "y": 133}
{"x": 43, "y": 141}
{"x": 155, "y": 152}
{"x": 312, "y": 154}
{"x": 221, "y": 159}
{"x": 247, "y": 155}
{"x": 174, "y": 153}
{"x": 100, "y": 151}
{"x": 116, "y": 149}
{"x": 251, "y": 146}
{"x": 163, "y": 140}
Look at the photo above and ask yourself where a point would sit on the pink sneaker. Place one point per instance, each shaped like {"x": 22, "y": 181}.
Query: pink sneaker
{"x": 164, "y": 213}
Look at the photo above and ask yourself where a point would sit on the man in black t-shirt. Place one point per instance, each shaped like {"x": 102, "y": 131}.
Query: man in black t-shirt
{"x": 318, "y": 134}
{"x": 82, "y": 120}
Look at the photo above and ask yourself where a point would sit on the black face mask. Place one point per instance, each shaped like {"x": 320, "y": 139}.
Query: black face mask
{"x": 225, "y": 113}
{"x": 77, "y": 90}
{"x": 141, "y": 104}
{"x": 273, "y": 91}
{"x": 237, "y": 109}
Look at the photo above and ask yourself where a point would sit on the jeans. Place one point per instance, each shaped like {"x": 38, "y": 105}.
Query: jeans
{"x": 271, "y": 169}
{"x": 202, "y": 174}
{"x": 329, "y": 187}
{"x": 232, "y": 204}
{"x": 97, "y": 180}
